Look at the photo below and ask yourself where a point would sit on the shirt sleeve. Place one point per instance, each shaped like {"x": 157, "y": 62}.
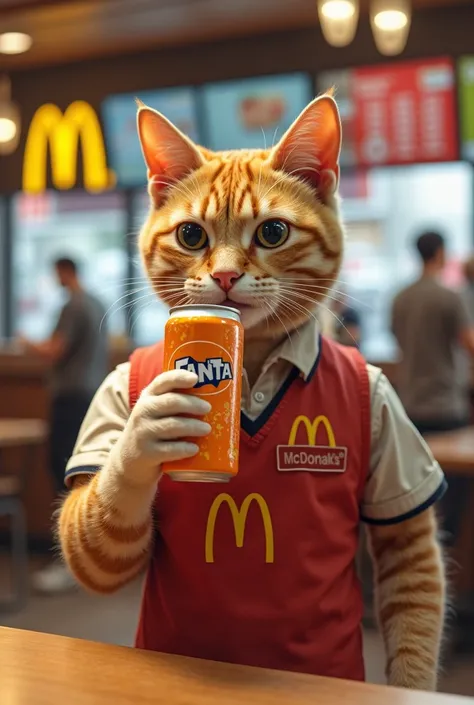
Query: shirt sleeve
{"x": 69, "y": 324}
{"x": 458, "y": 314}
{"x": 102, "y": 425}
{"x": 404, "y": 479}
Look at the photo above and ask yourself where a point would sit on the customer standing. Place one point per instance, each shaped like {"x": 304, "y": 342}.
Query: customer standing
{"x": 77, "y": 351}
{"x": 432, "y": 326}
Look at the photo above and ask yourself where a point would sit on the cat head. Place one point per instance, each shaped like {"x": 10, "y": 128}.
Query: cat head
{"x": 258, "y": 230}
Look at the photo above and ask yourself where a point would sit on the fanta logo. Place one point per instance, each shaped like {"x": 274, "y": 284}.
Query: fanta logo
{"x": 211, "y": 362}
{"x": 312, "y": 457}
{"x": 213, "y": 371}
{"x": 239, "y": 518}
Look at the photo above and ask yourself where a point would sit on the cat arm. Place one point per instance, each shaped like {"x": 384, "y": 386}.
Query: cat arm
{"x": 410, "y": 592}
{"x": 403, "y": 483}
{"x": 105, "y": 525}
{"x": 105, "y": 534}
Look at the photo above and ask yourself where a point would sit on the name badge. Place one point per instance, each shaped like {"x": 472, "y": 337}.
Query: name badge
{"x": 311, "y": 458}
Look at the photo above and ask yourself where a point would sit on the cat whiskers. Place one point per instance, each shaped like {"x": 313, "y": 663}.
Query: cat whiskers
{"x": 120, "y": 298}
{"x": 308, "y": 312}
{"x": 180, "y": 300}
{"x": 308, "y": 286}
{"x": 274, "y": 314}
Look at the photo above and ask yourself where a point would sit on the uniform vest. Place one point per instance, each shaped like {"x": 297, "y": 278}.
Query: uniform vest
{"x": 261, "y": 571}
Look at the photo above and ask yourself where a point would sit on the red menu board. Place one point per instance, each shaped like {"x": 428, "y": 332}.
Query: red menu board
{"x": 400, "y": 113}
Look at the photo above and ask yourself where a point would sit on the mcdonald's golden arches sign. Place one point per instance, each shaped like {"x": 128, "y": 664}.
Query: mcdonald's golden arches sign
{"x": 327, "y": 457}
{"x": 64, "y": 133}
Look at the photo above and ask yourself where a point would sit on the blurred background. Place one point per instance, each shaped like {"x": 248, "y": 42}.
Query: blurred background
{"x": 230, "y": 74}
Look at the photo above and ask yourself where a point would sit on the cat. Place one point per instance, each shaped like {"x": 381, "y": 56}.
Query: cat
{"x": 265, "y": 225}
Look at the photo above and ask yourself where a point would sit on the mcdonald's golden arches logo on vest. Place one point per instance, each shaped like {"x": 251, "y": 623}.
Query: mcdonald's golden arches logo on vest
{"x": 63, "y": 133}
{"x": 239, "y": 518}
{"x": 311, "y": 456}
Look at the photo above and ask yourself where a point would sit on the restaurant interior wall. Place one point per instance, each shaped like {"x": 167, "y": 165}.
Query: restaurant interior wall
{"x": 387, "y": 230}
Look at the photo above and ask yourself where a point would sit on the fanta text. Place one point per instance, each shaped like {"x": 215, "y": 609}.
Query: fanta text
{"x": 213, "y": 370}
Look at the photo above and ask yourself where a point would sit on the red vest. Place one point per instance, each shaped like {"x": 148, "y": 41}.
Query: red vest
{"x": 261, "y": 571}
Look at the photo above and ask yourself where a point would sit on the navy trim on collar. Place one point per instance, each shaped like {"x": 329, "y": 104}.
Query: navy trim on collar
{"x": 316, "y": 362}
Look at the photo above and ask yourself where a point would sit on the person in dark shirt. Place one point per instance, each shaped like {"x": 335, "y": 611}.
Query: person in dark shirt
{"x": 77, "y": 352}
{"x": 434, "y": 332}
{"x": 433, "y": 328}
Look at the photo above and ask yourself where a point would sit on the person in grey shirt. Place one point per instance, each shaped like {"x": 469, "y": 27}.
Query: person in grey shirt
{"x": 433, "y": 330}
{"x": 77, "y": 351}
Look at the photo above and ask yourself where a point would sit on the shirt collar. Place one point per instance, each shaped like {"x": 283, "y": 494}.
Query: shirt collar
{"x": 301, "y": 349}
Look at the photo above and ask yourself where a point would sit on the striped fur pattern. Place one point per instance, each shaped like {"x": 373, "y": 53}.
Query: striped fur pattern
{"x": 105, "y": 531}
{"x": 410, "y": 596}
{"x": 104, "y": 545}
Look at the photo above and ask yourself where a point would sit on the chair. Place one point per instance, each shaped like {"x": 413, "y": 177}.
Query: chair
{"x": 11, "y": 505}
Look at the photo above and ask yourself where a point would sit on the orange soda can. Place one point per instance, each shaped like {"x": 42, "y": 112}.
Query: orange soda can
{"x": 209, "y": 340}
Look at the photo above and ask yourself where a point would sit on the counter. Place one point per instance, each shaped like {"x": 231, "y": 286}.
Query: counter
{"x": 45, "y": 669}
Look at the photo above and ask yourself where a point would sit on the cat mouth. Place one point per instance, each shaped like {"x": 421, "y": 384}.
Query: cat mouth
{"x": 235, "y": 304}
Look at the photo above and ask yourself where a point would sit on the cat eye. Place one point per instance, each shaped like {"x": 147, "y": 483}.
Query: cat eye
{"x": 272, "y": 233}
{"x": 192, "y": 236}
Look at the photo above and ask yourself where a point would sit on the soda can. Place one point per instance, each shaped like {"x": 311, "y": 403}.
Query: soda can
{"x": 208, "y": 340}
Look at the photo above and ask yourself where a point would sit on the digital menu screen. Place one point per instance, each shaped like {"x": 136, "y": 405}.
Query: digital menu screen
{"x": 253, "y": 113}
{"x": 466, "y": 106}
{"x": 401, "y": 113}
{"x": 119, "y": 114}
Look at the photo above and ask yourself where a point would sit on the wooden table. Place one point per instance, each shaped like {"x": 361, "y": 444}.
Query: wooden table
{"x": 42, "y": 669}
{"x": 21, "y": 432}
{"x": 25, "y": 435}
{"x": 454, "y": 450}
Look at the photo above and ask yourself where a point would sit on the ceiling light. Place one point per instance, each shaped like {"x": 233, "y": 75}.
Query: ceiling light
{"x": 338, "y": 20}
{"x": 15, "y": 43}
{"x": 337, "y": 9}
{"x": 390, "y": 20}
{"x": 7, "y": 129}
{"x": 9, "y": 119}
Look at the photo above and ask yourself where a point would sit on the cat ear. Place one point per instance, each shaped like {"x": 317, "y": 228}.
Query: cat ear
{"x": 168, "y": 153}
{"x": 310, "y": 147}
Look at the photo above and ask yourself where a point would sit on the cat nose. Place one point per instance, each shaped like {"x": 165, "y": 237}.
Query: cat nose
{"x": 226, "y": 280}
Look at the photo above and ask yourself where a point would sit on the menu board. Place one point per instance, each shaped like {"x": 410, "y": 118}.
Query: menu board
{"x": 255, "y": 112}
{"x": 119, "y": 113}
{"x": 466, "y": 105}
{"x": 401, "y": 113}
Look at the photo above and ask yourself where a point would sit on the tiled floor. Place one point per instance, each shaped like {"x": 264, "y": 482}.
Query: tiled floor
{"x": 112, "y": 619}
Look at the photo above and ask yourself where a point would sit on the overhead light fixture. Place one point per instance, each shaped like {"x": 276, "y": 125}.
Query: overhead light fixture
{"x": 338, "y": 19}
{"x": 9, "y": 119}
{"x": 390, "y": 20}
{"x": 15, "y": 42}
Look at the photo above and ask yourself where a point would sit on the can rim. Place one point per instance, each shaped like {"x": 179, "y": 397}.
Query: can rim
{"x": 194, "y": 307}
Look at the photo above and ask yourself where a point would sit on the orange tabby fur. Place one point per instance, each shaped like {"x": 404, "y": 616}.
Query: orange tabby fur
{"x": 106, "y": 532}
